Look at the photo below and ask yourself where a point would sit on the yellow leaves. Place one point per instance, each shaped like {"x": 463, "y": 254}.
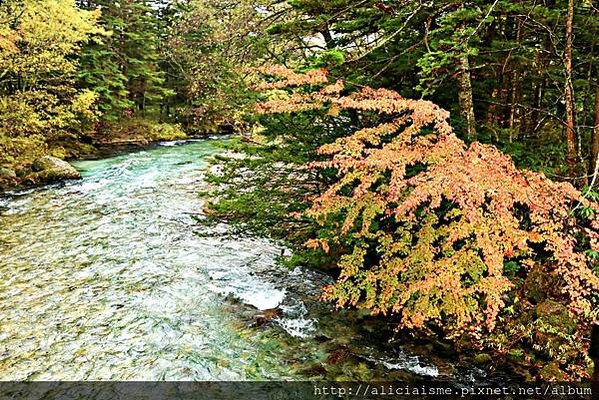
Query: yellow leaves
{"x": 334, "y": 110}
{"x": 41, "y": 113}
{"x": 19, "y": 117}
{"x": 8, "y": 39}
{"x": 48, "y": 32}
{"x": 84, "y": 104}
{"x": 351, "y": 264}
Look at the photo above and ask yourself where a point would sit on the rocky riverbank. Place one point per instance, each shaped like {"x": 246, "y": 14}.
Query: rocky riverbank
{"x": 49, "y": 169}
{"x": 44, "y": 170}
{"x": 44, "y": 163}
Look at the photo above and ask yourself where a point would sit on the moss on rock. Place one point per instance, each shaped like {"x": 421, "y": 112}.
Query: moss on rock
{"x": 483, "y": 358}
{"x": 51, "y": 169}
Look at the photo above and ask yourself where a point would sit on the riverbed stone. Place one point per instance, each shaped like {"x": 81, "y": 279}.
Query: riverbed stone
{"x": 7, "y": 174}
{"x": 339, "y": 355}
{"x": 442, "y": 348}
{"x": 8, "y": 178}
{"x": 51, "y": 169}
{"x": 266, "y": 316}
{"x": 552, "y": 373}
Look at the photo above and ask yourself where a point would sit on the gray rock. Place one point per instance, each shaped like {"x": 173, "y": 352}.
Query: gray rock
{"x": 7, "y": 174}
{"x": 49, "y": 169}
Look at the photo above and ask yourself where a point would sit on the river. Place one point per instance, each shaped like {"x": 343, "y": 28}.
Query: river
{"x": 113, "y": 278}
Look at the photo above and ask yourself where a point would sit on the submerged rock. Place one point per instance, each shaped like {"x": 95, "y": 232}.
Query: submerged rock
{"x": 552, "y": 373}
{"x": 338, "y": 356}
{"x": 483, "y": 358}
{"x": 266, "y": 316}
{"x": 51, "y": 169}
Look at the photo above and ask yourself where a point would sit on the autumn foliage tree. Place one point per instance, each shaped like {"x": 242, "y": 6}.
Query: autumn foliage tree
{"x": 39, "y": 99}
{"x": 434, "y": 230}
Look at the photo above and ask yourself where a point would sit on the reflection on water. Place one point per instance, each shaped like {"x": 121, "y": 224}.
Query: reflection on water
{"x": 106, "y": 278}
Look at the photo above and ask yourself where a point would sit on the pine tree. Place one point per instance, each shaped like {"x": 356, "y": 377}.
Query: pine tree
{"x": 102, "y": 70}
{"x": 123, "y": 67}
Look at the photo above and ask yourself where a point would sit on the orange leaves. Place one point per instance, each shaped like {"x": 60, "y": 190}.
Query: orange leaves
{"x": 8, "y": 41}
{"x": 437, "y": 218}
{"x": 333, "y": 89}
{"x": 318, "y": 243}
{"x": 295, "y": 103}
{"x": 289, "y": 78}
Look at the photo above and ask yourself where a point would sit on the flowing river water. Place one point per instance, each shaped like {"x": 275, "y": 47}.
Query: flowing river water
{"x": 113, "y": 278}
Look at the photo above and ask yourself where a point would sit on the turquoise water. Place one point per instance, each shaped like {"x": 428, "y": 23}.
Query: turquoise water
{"x": 113, "y": 278}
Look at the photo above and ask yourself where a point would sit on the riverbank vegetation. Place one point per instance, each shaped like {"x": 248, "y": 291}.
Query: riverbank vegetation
{"x": 439, "y": 158}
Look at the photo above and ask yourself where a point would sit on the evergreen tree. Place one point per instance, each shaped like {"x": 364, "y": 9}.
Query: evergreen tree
{"x": 123, "y": 67}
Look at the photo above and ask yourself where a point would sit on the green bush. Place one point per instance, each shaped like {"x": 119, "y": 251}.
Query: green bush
{"x": 20, "y": 151}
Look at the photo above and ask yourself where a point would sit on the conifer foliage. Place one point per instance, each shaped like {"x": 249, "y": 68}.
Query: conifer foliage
{"x": 431, "y": 225}
{"x": 122, "y": 65}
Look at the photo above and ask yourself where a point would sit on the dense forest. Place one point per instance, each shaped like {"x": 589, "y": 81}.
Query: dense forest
{"x": 439, "y": 158}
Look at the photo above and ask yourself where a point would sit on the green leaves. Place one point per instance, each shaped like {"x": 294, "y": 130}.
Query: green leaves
{"x": 40, "y": 103}
{"x": 122, "y": 64}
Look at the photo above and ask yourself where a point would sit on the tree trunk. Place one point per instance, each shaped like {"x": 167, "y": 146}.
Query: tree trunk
{"x": 328, "y": 38}
{"x": 594, "y": 153}
{"x": 572, "y": 155}
{"x": 465, "y": 97}
{"x": 535, "y": 116}
{"x": 491, "y": 118}
{"x": 539, "y": 87}
{"x": 514, "y": 121}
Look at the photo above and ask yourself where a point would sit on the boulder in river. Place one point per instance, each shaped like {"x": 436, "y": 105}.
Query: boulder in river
{"x": 7, "y": 174}
{"x": 52, "y": 169}
{"x": 483, "y": 358}
{"x": 8, "y": 177}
